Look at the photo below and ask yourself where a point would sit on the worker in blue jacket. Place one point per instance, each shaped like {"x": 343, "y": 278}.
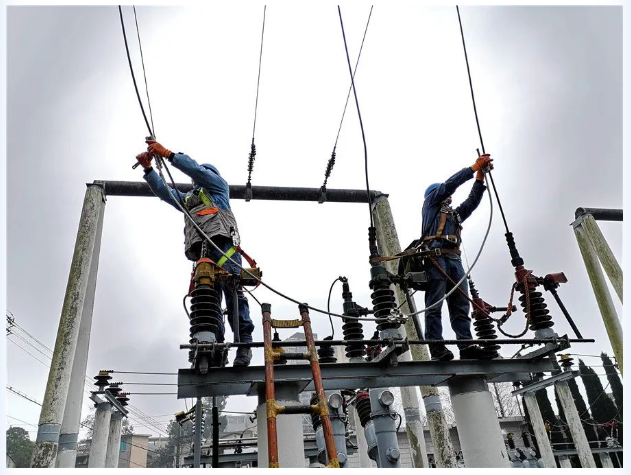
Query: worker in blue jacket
{"x": 209, "y": 206}
{"x": 442, "y": 225}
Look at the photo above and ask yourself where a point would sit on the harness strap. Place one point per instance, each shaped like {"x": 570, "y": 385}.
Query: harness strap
{"x": 441, "y": 223}
{"x": 230, "y": 252}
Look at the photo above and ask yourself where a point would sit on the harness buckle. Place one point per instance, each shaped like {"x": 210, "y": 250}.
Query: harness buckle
{"x": 437, "y": 251}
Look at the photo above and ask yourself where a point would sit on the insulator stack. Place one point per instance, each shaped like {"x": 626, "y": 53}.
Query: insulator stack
{"x": 566, "y": 362}
{"x": 326, "y": 353}
{"x": 353, "y": 330}
{"x": 511, "y": 441}
{"x": 122, "y": 399}
{"x": 383, "y": 302}
{"x": 115, "y": 388}
{"x": 362, "y": 405}
{"x": 102, "y": 379}
{"x": 485, "y": 330}
{"x": 315, "y": 418}
{"x": 539, "y": 314}
{"x": 205, "y": 310}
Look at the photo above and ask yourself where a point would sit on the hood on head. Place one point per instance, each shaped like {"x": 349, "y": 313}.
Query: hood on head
{"x": 212, "y": 168}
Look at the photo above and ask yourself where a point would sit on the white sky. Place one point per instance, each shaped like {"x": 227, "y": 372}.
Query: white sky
{"x": 548, "y": 84}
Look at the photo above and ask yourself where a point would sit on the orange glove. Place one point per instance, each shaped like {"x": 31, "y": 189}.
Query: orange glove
{"x": 155, "y": 148}
{"x": 144, "y": 159}
{"x": 480, "y": 174}
{"x": 481, "y": 162}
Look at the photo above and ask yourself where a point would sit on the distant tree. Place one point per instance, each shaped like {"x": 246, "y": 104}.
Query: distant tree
{"x": 503, "y": 400}
{"x": 614, "y": 381}
{"x": 208, "y": 415}
{"x": 88, "y": 423}
{"x": 127, "y": 429}
{"x": 602, "y": 407}
{"x": 19, "y": 447}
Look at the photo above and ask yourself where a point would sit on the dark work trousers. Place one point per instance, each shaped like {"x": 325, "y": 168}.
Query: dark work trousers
{"x": 457, "y": 304}
{"x": 246, "y": 327}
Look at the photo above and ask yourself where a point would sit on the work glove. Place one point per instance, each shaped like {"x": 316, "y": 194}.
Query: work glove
{"x": 482, "y": 162}
{"x": 480, "y": 174}
{"x": 156, "y": 148}
{"x": 144, "y": 159}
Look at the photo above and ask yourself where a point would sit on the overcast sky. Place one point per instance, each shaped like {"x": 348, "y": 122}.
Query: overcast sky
{"x": 548, "y": 84}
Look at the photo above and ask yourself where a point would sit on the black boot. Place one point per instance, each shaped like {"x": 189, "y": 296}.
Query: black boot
{"x": 440, "y": 353}
{"x": 244, "y": 355}
{"x": 473, "y": 352}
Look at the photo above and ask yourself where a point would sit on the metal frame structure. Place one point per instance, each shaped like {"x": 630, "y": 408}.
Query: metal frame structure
{"x": 72, "y": 343}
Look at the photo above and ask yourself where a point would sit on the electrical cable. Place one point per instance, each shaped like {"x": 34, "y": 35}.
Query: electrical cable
{"x": 131, "y": 69}
{"x": 142, "y": 60}
{"x": 477, "y": 121}
{"x": 331, "y": 162}
{"x": 256, "y": 104}
{"x": 328, "y": 308}
{"x": 361, "y": 122}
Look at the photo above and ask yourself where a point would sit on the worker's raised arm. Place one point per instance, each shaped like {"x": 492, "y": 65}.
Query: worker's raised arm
{"x": 451, "y": 185}
{"x": 200, "y": 175}
{"x": 157, "y": 185}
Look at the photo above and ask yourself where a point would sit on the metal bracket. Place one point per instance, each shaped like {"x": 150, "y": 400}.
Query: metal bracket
{"x": 109, "y": 398}
{"x": 544, "y": 383}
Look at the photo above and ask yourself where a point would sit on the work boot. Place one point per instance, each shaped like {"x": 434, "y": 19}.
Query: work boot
{"x": 440, "y": 353}
{"x": 244, "y": 355}
{"x": 473, "y": 352}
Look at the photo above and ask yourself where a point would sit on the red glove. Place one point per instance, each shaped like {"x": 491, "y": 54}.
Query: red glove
{"x": 144, "y": 159}
{"x": 482, "y": 162}
{"x": 155, "y": 148}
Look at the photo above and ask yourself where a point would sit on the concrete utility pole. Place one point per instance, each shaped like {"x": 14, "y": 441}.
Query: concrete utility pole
{"x": 599, "y": 284}
{"x": 100, "y": 435}
{"x": 605, "y": 460}
{"x": 388, "y": 243}
{"x": 478, "y": 427}
{"x": 57, "y": 387}
{"x": 67, "y": 455}
{"x": 575, "y": 424}
{"x": 114, "y": 440}
{"x": 536, "y": 419}
{"x": 291, "y": 446}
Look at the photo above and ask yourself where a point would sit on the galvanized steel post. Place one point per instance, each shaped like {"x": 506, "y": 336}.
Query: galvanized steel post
{"x": 478, "y": 427}
{"x": 603, "y": 297}
{"x": 67, "y": 454}
{"x": 536, "y": 419}
{"x": 114, "y": 440}
{"x": 388, "y": 243}
{"x": 575, "y": 424}
{"x": 57, "y": 386}
{"x": 100, "y": 434}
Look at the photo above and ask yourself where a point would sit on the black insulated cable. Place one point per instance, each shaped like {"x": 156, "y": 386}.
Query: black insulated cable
{"x": 252, "y": 155}
{"x": 359, "y": 114}
{"x": 331, "y": 163}
{"x": 477, "y": 120}
{"x": 144, "y": 72}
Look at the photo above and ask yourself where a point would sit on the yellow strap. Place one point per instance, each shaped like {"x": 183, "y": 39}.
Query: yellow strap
{"x": 205, "y": 199}
{"x": 286, "y": 323}
{"x": 229, "y": 253}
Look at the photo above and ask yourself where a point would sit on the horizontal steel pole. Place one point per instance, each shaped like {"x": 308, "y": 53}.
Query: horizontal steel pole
{"x": 237, "y": 192}
{"x": 297, "y": 343}
{"x": 600, "y": 214}
{"x": 248, "y": 380}
{"x": 595, "y": 450}
{"x": 544, "y": 383}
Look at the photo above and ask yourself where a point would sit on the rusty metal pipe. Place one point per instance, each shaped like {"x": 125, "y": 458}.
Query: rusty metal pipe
{"x": 270, "y": 396}
{"x": 327, "y": 427}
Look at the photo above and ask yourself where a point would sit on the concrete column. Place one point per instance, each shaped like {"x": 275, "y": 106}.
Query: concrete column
{"x": 385, "y": 429}
{"x": 114, "y": 440}
{"x": 603, "y": 297}
{"x": 67, "y": 455}
{"x": 564, "y": 461}
{"x": 444, "y": 456}
{"x": 574, "y": 423}
{"x": 478, "y": 427}
{"x": 100, "y": 435}
{"x": 57, "y": 386}
{"x": 605, "y": 460}
{"x": 606, "y": 257}
{"x": 291, "y": 446}
{"x": 538, "y": 426}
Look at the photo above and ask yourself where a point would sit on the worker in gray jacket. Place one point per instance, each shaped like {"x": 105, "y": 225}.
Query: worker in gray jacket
{"x": 209, "y": 206}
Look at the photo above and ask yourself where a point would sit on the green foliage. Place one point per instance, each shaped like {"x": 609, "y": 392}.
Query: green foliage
{"x": 602, "y": 407}
{"x": 614, "y": 381}
{"x": 19, "y": 447}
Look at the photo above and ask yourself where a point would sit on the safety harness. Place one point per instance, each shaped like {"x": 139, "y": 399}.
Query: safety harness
{"x": 452, "y": 238}
{"x": 207, "y": 201}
